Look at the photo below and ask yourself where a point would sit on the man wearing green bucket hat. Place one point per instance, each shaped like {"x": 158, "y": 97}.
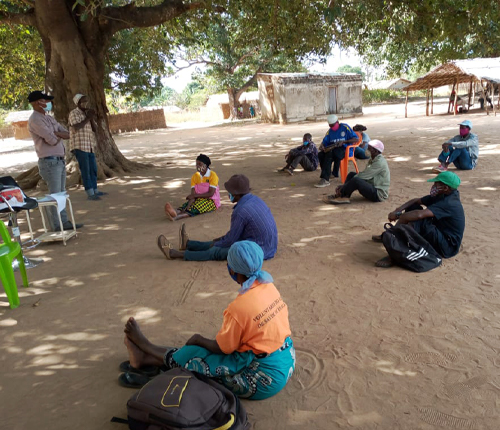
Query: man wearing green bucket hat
{"x": 442, "y": 223}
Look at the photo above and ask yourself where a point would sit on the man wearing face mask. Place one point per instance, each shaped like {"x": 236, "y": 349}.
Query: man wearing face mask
{"x": 332, "y": 149}
{"x": 251, "y": 220}
{"x": 306, "y": 155}
{"x": 82, "y": 143}
{"x": 442, "y": 223}
{"x": 461, "y": 150}
{"x": 48, "y": 137}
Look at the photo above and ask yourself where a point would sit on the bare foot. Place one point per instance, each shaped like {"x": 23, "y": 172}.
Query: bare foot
{"x": 134, "y": 333}
{"x": 135, "y": 355}
{"x": 170, "y": 212}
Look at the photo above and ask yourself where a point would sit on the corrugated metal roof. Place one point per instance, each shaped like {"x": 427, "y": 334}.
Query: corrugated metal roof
{"x": 22, "y": 115}
{"x": 459, "y": 71}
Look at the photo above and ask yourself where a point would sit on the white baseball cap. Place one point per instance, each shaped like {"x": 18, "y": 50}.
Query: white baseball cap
{"x": 377, "y": 144}
{"x": 332, "y": 119}
{"x": 77, "y": 98}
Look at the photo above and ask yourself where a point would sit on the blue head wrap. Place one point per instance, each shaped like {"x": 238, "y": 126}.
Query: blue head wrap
{"x": 246, "y": 258}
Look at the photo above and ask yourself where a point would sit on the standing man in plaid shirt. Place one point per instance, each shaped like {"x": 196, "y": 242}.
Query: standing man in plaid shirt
{"x": 82, "y": 143}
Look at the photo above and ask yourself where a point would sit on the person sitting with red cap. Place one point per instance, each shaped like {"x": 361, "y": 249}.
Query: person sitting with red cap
{"x": 251, "y": 220}
{"x": 441, "y": 223}
{"x": 372, "y": 183}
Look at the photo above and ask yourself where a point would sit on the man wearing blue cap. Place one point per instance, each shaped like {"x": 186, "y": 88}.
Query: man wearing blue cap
{"x": 461, "y": 150}
{"x": 441, "y": 223}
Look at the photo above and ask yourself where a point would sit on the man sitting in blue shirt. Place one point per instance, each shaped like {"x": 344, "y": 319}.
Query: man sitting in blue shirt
{"x": 251, "y": 220}
{"x": 332, "y": 149}
{"x": 461, "y": 150}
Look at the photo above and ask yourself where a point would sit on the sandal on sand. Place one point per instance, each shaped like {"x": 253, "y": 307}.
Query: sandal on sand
{"x": 183, "y": 238}
{"x": 133, "y": 380}
{"x": 148, "y": 371}
{"x": 384, "y": 262}
{"x": 377, "y": 238}
{"x": 164, "y": 245}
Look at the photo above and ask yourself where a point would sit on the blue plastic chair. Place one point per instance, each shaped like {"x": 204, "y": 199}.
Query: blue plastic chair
{"x": 10, "y": 250}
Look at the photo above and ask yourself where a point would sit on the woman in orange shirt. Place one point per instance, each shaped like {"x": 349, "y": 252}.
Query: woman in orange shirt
{"x": 252, "y": 354}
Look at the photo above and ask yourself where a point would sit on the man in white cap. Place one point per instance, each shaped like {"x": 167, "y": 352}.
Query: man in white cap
{"x": 461, "y": 150}
{"x": 82, "y": 143}
{"x": 372, "y": 183}
{"x": 332, "y": 149}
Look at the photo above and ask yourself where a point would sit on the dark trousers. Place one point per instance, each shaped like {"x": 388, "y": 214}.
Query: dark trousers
{"x": 295, "y": 160}
{"x": 204, "y": 251}
{"x": 360, "y": 153}
{"x": 335, "y": 156}
{"x": 459, "y": 157}
{"x": 368, "y": 191}
{"x": 428, "y": 230}
{"x": 88, "y": 168}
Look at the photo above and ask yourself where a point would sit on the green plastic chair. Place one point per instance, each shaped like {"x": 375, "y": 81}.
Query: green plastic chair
{"x": 8, "y": 251}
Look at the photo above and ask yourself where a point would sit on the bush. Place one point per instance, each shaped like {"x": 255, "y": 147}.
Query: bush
{"x": 381, "y": 96}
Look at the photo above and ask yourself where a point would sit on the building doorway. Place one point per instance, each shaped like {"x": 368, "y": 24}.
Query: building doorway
{"x": 332, "y": 100}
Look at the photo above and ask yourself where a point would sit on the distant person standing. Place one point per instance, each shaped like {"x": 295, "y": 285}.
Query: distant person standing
{"x": 82, "y": 143}
{"x": 48, "y": 137}
{"x": 252, "y": 112}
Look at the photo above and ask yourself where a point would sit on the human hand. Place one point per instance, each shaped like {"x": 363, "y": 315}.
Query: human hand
{"x": 90, "y": 113}
{"x": 194, "y": 339}
{"x": 190, "y": 197}
{"x": 393, "y": 216}
{"x": 446, "y": 147}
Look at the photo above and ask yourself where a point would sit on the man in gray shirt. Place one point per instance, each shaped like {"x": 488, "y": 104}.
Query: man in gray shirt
{"x": 461, "y": 150}
{"x": 48, "y": 137}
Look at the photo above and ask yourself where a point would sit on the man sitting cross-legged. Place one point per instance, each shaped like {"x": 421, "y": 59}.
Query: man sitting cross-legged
{"x": 251, "y": 220}
{"x": 442, "y": 223}
{"x": 372, "y": 183}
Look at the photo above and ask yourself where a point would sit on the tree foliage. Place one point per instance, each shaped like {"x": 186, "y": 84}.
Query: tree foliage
{"x": 416, "y": 34}
{"x": 351, "y": 69}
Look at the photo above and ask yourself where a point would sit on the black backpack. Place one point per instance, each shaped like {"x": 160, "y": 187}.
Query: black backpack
{"x": 180, "y": 399}
{"x": 408, "y": 249}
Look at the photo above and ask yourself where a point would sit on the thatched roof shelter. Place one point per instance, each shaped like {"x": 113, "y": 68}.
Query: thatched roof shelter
{"x": 478, "y": 71}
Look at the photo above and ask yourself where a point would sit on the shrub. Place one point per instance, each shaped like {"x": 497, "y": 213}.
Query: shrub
{"x": 381, "y": 96}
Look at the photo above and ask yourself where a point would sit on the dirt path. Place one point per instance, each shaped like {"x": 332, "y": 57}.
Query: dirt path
{"x": 376, "y": 349}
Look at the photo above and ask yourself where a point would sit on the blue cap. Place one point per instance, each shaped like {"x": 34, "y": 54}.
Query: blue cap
{"x": 467, "y": 123}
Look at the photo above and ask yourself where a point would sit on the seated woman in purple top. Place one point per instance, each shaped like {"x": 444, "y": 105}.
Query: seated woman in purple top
{"x": 251, "y": 220}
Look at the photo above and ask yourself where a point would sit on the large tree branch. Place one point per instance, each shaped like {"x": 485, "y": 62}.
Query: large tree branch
{"x": 192, "y": 63}
{"x": 240, "y": 60}
{"x": 22, "y": 18}
{"x": 114, "y": 19}
{"x": 247, "y": 84}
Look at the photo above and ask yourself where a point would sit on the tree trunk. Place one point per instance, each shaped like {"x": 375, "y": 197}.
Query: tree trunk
{"x": 233, "y": 101}
{"x": 75, "y": 64}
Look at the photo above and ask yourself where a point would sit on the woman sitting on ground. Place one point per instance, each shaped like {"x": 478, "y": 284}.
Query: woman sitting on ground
{"x": 204, "y": 195}
{"x": 252, "y": 354}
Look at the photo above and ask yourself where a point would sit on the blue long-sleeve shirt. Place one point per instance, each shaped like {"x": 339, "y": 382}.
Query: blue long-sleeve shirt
{"x": 470, "y": 142}
{"x": 252, "y": 220}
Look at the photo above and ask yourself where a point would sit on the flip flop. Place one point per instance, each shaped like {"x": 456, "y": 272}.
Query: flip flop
{"x": 164, "y": 245}
{"x": 384, "y": 262}
{"x": 183, "y": 238}
{"x": 377, "y": 238}
{"x": 146, "y": 370}
{"x": 133, "y": 380}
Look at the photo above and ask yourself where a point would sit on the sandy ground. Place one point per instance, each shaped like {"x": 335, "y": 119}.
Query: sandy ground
{"x": 376, "y": 348}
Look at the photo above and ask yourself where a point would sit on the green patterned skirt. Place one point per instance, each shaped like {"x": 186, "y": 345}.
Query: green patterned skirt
{"x": 200, "y": 206}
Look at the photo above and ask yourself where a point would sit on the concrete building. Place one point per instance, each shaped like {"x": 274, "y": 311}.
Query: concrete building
{"x": 292, "y": 97}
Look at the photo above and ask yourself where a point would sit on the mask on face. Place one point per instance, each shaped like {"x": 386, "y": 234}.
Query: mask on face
{"x": 233, "y": 276}
{"x": 464, "y": 131}
{"x": 48, "y": 107}
{"x": 201, "y": 170}
{"x": 434, "y": 191}
{"x": 335, "y": 127}
{"x": 305, "y": 143}
{"x": 231, "y": 197}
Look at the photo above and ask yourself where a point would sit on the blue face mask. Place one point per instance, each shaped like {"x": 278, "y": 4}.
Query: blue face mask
{"x": 48, "y": 107}
{"x": 233, "y": 276}
{"x": 305, "y": 143}
{"x": 231, "y": 197}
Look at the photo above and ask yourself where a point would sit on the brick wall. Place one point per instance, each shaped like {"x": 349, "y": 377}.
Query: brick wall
{"x": 147, "y": 120}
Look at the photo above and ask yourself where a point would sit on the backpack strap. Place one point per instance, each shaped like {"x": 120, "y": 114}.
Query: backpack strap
{"x": 119, "y": 420}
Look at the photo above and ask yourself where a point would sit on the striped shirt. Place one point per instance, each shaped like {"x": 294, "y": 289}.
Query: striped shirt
{"x": 83, "y": 139}
{"x": 252, "y": 220}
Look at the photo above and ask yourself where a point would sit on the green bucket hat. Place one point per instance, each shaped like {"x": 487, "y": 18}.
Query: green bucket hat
{"x": 447, "y": 178}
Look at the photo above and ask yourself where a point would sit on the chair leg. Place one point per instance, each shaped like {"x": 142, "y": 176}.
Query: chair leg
{"x": 355, "y": 164}
{"x": 9, "y": 282}
{"x": 22, "y": 269}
